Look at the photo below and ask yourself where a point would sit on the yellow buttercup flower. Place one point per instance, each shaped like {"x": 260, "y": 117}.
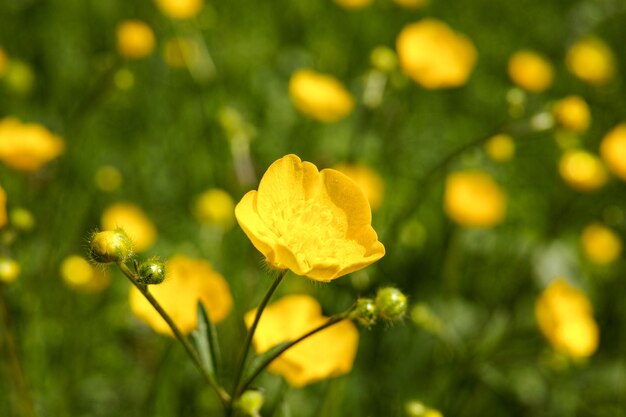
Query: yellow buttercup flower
{"x": 316, "y": 224}
{"x": 180, "y": 9}
{"x": 9, "y": 270}
{"x": 591, "y": 60}
{"x": 500, "y": 148}
{"x": 435, "y": 56}
{"x": 27, "y": 146}
{"x": 354, "y": 4}
{"x": 215, "y": 207}
{"x": 370, "y": 182}
{"x": 133, "y": 221}
{"x": 474, "y": 199}
{"x": 329, "y": 353}
{"x": 3, "y": 208}
{"x": 411, "y": 4}
{"x": 600, "y": 244}
{"x": 319, "y": 96}
{"x": 187, "y": 282}
{"x": 531, "y": 71}
{"x": 572, "y": 113}
{"x": 582, "y": 170}
{"x": 80, "y": 275}
{"x": 613, "y": 150}
{"x": 135, "y": 39}
{"x": 565, "y": 318}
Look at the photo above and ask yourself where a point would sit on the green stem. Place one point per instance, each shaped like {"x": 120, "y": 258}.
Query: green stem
{"x": 330, "y": 322}
{"x": 222, "y": 394}
{"x": 248, "y": 342}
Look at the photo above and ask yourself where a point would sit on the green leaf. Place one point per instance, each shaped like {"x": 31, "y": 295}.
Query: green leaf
{"x": 205, "y": 339}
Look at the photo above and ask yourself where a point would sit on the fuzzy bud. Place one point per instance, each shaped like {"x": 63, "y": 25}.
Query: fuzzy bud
{"x": 251, "y": 402}
{"x": 391, "y": 303}
{"x": 151, "y": 272}
{"x": 365, "y": 312}
{"x": 110, "y": 246}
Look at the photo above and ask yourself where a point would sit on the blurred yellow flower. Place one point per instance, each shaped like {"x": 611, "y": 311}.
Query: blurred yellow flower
{"x": 9, "y": 270}
{"x": 215, "y": 207}
{"x": 600, "y": 244}
{"x": 353, "y": 4}
{"x": 27, "y": 146}
{"x": 180, "y": 9}
{"x": 3, "y": 208}
{"x": 319, "y": 96}
{"x": 133, "y": 220}
{"x": 370, "y": 182}
{"x": 412, "y": 4}
{"x": 474, "y": 199}
{"x": 564, "y": 316}
{"x": 613, "y": 150}
{"x": 572, "y": 113}
{"x": 317, "y": 224}
{"x": 4, "y": 61}
{"x": 591, "y": 60}
{"x": 582, "y": 170}
{"x": 434, "y": 55}
{"x": 135, "y": 39}
{"x": 500, "y": 148}
{"x": 530, "y": 71}
{"x": 187, "y": 282}
{"x": 327, "y": 354}
{"x": 80, "y": 275}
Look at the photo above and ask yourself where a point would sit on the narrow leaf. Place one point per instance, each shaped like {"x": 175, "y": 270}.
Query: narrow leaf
{"x": 202, "y": 339}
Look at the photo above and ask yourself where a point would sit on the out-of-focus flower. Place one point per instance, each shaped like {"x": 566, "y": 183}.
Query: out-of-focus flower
{"x": 317, "y": 224}
{"x": 473, "y": 199}
{"x": 435, "y": 56}
{"x": 3, "y": 62}
{"x": 133, "y": 220}
{"x": 565, "y": 318}
{"x": 319, "y": 96}
{"x": 412, "y": 4}
{"x": 187, "y": 282}
{"x": 3, "y": 207}
{"x": 180, "y": 9}
{"x": 370, "y": 182}
{"x": 353, "y": 4}
{"x": 27, "y": 146}
{"x": 180, "y": 52}
{"x": 80, "y": 275}
{"x": 500, "y": 148}
{"x": 591, "y": 60}
{"x": 108, "y": 178}
{"x": 324, "y": 355}
{"x": 530, "y": 71}
{"x": 384, "y": 59}
{"x": 20, "y": 218}
{"x": 135, "y": 39}
{"x": 419, "y": 409}
{"x": 613, "y": 150}
{"x": 215, "y": 207}
{"x": 582, "y": 170}
{"x": 572, "y": 113}
{"x": 600, "y": 244}
{"x": 9, "y": 270}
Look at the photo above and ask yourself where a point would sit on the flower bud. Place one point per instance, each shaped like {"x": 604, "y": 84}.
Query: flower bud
{"x": 9, "y": 270}
{"x": 110, "y": 246}
{"x": 151, "y": 272}
{"x": 365, "y": 312}
{"x": 391, "y": 303}
{"x": 251, "y": 402}
{"x": 22, "y": 219}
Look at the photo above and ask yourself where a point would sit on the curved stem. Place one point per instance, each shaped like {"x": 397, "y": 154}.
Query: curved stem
{"x": 222, "y": 394}
{"x": 330, "y": 322}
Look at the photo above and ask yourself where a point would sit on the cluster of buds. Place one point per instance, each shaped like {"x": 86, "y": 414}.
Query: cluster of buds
{"x": 390, "y": 304}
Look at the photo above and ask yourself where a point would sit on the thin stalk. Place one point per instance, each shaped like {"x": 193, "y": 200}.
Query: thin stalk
{"x": 330, "y": 322}
{"x": 222, "y": 394}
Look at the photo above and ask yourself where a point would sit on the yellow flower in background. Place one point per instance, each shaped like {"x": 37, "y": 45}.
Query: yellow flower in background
{"x": 474, "y": 199}
{"x": 135, "y": 39}
{"x": 327, "y": 354}
{"x": 353, "y": 4}
{"x": 27, "y": 146}
{"x": 4, "y": 61}
{"x": 565, "y": 318}
{"x": 591, "y": 60}
{"x": 187, "y": 282}
{"x": 80, "y": 275}
{"x": 9, "y": 270}
{"x": 572, "y": 113}
{"x": 133, "y": 220}
{"x": 500, "y": 148}
{"x": 412, "y": 4}
{"x": 613, "y": 150}
{"x": 582, "y": 170}
{"x": 319, "y": 96}
{"x": 530, "y": 71}
{"x": 215, "y": 207}
{"x": 180, "y": 9}
{"x": 434, "y": 55}
{"x": 370, "y": 182}
{"x": 3, "y": 208}
{"x": 316, "y": 224}
{"x": 600, "y": 244}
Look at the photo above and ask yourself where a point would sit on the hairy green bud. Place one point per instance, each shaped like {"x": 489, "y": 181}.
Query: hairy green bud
{"x": 391, "y": 303}
{"x": 151, "y": 272}
{"x": 365, "y": 312}
{"x": 110, "y": 246}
